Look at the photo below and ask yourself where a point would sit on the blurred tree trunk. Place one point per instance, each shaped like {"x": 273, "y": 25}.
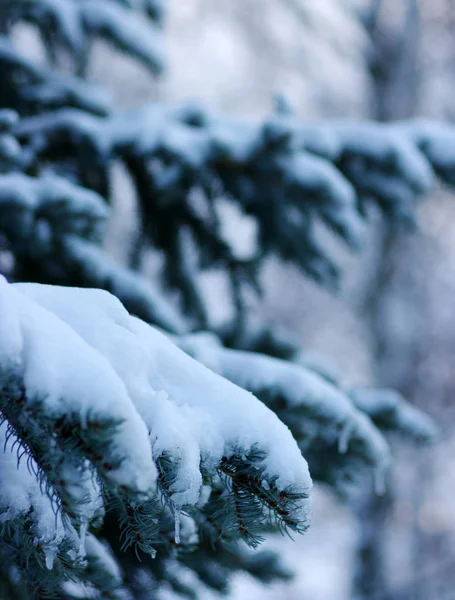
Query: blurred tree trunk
{"x": 396, "y": 75}
{"x": 395, "y": 31}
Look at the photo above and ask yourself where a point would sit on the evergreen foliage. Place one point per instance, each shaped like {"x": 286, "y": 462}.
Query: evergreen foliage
{"x": 126, "y": 463}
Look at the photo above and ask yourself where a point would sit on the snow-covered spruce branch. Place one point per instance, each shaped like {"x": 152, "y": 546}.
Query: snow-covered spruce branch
{"x": 43, "y": 89}
{"x": 338, "y": 431}
{"x": 210, "y": 566}
{"x": 10, "y": 149}
{"x": 72, "y": 24}
{"x": 117, "y": 444}
{"x": 98, "y": 405}
{"x": 390, "y": 412}
{"x": 53, "y": 228}
{"x": 287, "y": 174}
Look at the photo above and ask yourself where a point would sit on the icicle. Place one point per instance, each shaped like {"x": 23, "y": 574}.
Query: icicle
{"x": 177, "y": 524}
{"x": 49, "y": 554}
{"x": 204, "y": 496}
{"x": 380, "y": 479}
{"x": 82, "y": 534}
{"x": 344, "y": 437}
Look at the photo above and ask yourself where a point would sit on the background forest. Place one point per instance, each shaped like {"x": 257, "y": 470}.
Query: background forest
{"x": 327, "y": 64}
{"x": 391, "y": 322}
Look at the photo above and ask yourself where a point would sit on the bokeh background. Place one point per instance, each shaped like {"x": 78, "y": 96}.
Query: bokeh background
{"x": 393, "y": 321}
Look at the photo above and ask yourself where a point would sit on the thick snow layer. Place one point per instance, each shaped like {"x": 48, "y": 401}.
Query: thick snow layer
{"x": 239, "y": 420}
{"x": 295, "y": 386}
{"x": 67, "y": 376}
{"x": 139, "y": 295}
{"x": 99, "y": 358}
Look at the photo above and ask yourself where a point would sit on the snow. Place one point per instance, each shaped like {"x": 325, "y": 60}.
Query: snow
{"x": 323, "y": 168}
{"x": 8, "y": 118}
{"x": 54, "y": 200}
{"x": 188, "y": 530}
{"x": 10, "y": 149}
{"x": 391, "y": 412}
{"x": 10, "y": 333}
{"x": 101, "y": 361}
{"x": 296, "y": 386}
{"x": 332, "y": 194}
{"x": 205, "y": 398}
{"x": 128, "y": 30}
{"x": 62, "y": 13}
{"x": 388, "y": 147}
{"x": 140, "y": 295}
{"x": 435, "y": 139}
{"x": 20, "y": 492}
{"x": 177, "y": 514}
{"x": 343, "y": 440}
{"x": 75, "y": 380}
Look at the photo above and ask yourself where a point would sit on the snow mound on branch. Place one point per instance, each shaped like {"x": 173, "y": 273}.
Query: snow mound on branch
{"x": 100, "y": 358}
{"x": 70, "y": 377}
{"x": 327, "y": 414}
